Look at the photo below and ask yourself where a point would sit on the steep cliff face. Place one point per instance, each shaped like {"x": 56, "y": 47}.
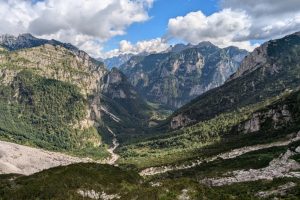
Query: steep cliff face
{"x": 44, "y": 92}
{"x": 267, "y": 72}
{"x": 274, "y": 118}
{"x": 25, "y": 41}
{"x": 175, "y": 77}
{"x": 53, "y": 62}
{"x": 116, "y": 61}
{"x": 123, "y": 110}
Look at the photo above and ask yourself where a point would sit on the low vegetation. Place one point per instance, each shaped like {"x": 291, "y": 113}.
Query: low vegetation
{"x": 65, "y": 182}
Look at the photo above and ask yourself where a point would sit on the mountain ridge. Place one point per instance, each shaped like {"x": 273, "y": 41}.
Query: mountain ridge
{"x": 174, "y": 78}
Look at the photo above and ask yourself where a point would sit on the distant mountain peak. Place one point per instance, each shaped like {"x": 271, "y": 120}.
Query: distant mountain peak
{"x": 27, "y": 35}
{"x": 174, "y": 77}
{"x": 205, "y": 43}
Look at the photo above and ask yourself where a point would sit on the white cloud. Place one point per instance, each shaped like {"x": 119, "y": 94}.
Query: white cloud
{"x": 85, "y": 23}
{"x": 271, "y": 18}
{"x": 125, "y": 47}
{"x": 220, "y": 28}
{"x": 238, "y": 22}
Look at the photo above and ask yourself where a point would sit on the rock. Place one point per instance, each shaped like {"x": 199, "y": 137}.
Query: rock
{"x": 278, "y": 116}
{"x": 252, "y": 125}
{"x": 179, "y": 121}
{"x": 252, "y": 62}
{"x": 184, "y": 195}
{"x": 92, "y": 194}
{"x": 297, "y": 149}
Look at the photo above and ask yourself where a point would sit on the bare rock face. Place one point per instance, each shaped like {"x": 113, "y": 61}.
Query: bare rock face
{"x": 53, "y": 62}
{"x": 278, "y": 117}
{"x": 180, "y": 121}
{"x": 255, "y": 60}
{"x": 92, "y": 194}
{"x": 252, "y": 125}
{"x": 115, "y": 85}
{"x": 174, "y": 77}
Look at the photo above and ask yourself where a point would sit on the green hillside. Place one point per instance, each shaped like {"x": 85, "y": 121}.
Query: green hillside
{"x": 43, "y": 112}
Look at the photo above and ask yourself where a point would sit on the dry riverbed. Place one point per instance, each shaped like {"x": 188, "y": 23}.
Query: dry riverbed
{"x": 25, "y": 160}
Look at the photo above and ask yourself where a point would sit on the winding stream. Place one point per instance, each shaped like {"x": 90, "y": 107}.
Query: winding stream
{"x": 114, "y": 157}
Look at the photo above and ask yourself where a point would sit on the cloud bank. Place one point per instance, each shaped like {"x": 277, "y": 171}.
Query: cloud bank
{"x": 125, "y": 47}
{"x": 238, "y": 22}
{"x": 85, "y": 23}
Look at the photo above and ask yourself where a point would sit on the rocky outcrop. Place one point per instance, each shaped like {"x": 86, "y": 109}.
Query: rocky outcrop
{"x": 174, "y": 77}
{"x": 25, "y": 41}
{"x": 252, "y": 62}
{"x": 180, "y": 121}
{"x": 275, "y": 117}
{"x": 54, "y": 62}
{"x": 116, "y": 61}
{"x": 92, "y": 194}
{"x": 115, "y": 85}
{"x": 278, "y": 168}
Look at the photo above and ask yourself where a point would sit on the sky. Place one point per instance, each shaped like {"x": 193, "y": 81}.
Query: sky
{"x": 106, "y": 28}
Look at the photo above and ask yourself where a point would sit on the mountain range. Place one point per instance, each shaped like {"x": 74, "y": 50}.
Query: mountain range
{"x": 192, "y": 122}
{"x": 175, "y": 77}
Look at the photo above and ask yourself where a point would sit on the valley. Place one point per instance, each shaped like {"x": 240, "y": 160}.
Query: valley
{"x": 205, "y": 123}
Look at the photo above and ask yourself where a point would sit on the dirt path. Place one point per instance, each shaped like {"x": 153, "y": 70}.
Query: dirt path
{"x": 114, "y": 157}
{"x": 228, "y": 155}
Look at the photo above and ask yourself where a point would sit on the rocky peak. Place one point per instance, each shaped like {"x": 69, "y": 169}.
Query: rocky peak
{"x": 253, "y": 61}
{"x": 205, "y": 44}
{"x": 54, "y": 62}
{"x": 174, "y": 78}
{"x": 116, "y": 61}
{"x": 115, "y": 85}
{"x": 269, "y": 55}
{"x": 178, "y": 48}
{"x": 22, "y": 41}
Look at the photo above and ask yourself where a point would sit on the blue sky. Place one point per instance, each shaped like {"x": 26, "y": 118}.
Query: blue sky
{"x": 160, "y": 13}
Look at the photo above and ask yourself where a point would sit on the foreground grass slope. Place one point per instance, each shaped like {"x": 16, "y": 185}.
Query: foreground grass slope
{"x": 67, "y": 182}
